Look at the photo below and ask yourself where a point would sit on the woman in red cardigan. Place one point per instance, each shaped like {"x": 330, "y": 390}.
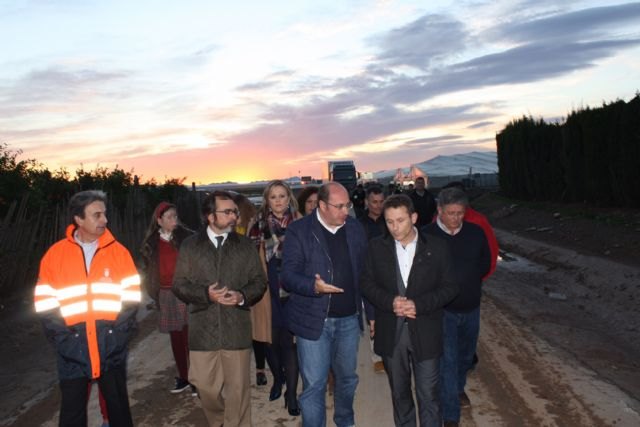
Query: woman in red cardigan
{"x": 159, "y": 253}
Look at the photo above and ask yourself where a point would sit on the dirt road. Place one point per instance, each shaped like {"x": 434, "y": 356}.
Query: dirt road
{"x": 558, "y": 347}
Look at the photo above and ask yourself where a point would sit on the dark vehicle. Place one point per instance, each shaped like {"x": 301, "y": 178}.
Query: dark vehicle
{"x": 344, "y": 172}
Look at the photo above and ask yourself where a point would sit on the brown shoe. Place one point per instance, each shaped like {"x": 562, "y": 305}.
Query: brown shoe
{"x": 450, "y": 424}
{"x": 464, "y": 400}
{"x": 378, "y": 367}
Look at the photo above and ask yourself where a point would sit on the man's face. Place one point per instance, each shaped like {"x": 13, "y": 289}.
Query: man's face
{"x": 451, "y": 215}
{"x": 225, "y": 217}
{"x": 400, "y": 223}
{"x": 420, "y": 184}
{"x": 336, "y": 211}
{"x": 94, "y": 223}
{"x": 374, "y": 204}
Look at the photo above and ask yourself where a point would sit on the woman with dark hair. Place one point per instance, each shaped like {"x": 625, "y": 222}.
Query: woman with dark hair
{"x": 307, "y": 200}
{"x": 159, "y": 254}
{"x": 261, "y": 311}
{"x": 279, "y": 208}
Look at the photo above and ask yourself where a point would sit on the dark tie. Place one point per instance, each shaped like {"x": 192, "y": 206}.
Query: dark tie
{"x": 219, "y": 239}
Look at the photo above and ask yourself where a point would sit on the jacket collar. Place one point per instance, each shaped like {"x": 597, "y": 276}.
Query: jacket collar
{"x": 203, "y": 237}
{"x": 104, "y": 240}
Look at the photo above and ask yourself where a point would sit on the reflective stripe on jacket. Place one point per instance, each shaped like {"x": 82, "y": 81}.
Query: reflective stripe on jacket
{"x": 71, "y": 300}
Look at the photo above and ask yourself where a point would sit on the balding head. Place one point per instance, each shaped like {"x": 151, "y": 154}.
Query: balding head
{"x": 333, "y": 203}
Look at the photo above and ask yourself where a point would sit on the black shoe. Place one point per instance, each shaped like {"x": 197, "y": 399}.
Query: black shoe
{"x": 181, "y": 385}
{"x": 276, "y": 391}
{"x": 194, "y": 391}
{"x": 261, "y": 378}
{"x": 291, "y": 405}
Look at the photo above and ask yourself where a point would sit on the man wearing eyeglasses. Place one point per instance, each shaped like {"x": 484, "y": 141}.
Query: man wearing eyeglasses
{"x": 218, "y": 273}
{"x": 321, "y": 266}
{"x": 461, "y": 321}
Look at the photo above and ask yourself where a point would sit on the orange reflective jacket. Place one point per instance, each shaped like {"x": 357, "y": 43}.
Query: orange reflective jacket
{"x": 67, "y": 290}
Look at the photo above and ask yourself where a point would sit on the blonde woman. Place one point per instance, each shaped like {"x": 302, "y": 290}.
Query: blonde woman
{"x": 279, "y": 208}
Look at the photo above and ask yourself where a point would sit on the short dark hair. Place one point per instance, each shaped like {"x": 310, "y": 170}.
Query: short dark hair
{"x": 420, "y": 178}
{"x": 374, "y": 189}
{"x": 209, "y": 202}
{"x": 81, "y": 200}
{"x": 453, "y": 196}
{"x": 397, "y": 201}
{"x": 304, "y": 195}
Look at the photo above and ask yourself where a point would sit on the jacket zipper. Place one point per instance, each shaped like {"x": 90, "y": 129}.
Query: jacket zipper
{"x": 326, "y": 314}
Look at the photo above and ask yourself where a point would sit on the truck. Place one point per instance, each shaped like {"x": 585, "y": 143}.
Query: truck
{"x": 344, "y": 172}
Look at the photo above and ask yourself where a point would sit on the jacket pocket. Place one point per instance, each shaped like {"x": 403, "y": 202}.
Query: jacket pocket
{"x": 72, "y": 348}
{"x": 115, "y": 342}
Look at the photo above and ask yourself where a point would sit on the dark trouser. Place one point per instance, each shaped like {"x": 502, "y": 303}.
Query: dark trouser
{"x": 259, "y": 350}
{"x": 180, "y": 348}
{"x": 113, "y": 386}
{"x": 398, "y": 368}
{"x": 285, "y": 359}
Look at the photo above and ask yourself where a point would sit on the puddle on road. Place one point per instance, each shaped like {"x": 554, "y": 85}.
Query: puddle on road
{"x": 512, "y": 262}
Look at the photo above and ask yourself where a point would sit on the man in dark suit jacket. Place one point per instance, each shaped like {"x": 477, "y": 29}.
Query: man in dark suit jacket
{"x": 409, "y": 280}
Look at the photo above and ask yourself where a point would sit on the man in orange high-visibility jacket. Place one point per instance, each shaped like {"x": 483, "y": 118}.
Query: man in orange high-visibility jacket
{"x": 87, "y": 295}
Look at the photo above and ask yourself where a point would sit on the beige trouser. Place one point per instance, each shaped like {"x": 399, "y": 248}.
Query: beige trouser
{"x": 222, "y": 380}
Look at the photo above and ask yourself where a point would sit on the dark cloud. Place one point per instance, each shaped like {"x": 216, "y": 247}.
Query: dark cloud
{"x": 422, "y": 41}
{"x": 301, "y": 130}
{"x": 480, "y": 124}
{"x": 527, "y": 63}
{"x": 431, "y": 45}
{"x": 574, "y": 25}
{"x": 56, "y": 85}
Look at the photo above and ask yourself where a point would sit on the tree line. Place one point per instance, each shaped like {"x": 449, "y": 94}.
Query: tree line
{"x": 33, "y": 210}
{"x": 593, "y": 157}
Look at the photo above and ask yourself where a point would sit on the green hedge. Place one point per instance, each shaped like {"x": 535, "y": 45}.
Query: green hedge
{"x": 593, "y": 157}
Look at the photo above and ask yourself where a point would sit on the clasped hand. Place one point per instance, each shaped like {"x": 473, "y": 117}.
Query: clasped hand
{"x": 403, "y": 307}
{"x": 224, "y": 295}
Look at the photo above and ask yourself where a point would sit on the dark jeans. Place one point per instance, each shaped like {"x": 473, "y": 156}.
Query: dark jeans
{"x": 426, "y": 373}
{"x": 113, "y": 386}
{"x": 460, "y": 338}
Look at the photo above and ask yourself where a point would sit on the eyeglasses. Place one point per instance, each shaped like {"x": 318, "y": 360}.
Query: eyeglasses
{"x": 228, "y": 212}
{"x": 341, "y": 205}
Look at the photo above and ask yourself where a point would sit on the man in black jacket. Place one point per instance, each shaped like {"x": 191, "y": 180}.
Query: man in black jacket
{"x": 409, "y": 280}
{"x": 423, "y": 202}
{"x": 471, "y": 262}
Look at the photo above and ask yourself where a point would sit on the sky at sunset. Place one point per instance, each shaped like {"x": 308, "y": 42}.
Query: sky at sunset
{"x": 246, "y": 90}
